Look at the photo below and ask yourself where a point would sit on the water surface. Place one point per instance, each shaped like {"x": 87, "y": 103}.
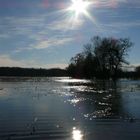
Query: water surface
{"x": 69, "y": 109}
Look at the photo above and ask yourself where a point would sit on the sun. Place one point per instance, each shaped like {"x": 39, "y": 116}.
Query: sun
{"x": 79, "y": 7}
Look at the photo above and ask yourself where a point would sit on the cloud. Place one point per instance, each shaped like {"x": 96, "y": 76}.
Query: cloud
{"x": 38, "y": 24}
{"x": 18, "y": 4}
{"x": 65, "y": 24}
{"x": 51, "y": 42}
{"x": 19, "y": 26}
{"x": 57, "y": 65}
{"x": 7, "y": 61}
{"x": 39, "y": 30}
{"x": 115, "y": 3}
{"x": 117, "y": 27}
{"x": 4, "y": 36}
{"x": 107, "y": 3}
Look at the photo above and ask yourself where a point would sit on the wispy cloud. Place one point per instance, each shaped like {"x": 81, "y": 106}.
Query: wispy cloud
{"x": 56, "y": 65}
{"x": 6, "y": 60}
{"x": 17, "y": 4}
{"x": 119, "y": 26}
{"x": 39, "y": 23}
{"x": 108, "y": 3}
{"x": 51, "y": 42}
{"x": 4, "y": 36}
{"x": 66, "y": 24}
{"x": 39, "y": 30}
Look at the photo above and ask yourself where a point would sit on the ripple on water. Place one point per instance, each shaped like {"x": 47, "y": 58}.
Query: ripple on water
{"x": 98, "y": 114}
{"x": 53, "y": 116}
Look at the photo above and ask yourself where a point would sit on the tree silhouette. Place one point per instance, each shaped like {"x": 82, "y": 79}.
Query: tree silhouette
{"x": 76, "y": 65}
{"x": 137, "y": 70}
{"x": 102, "y": 57}
{"x": 111, "y": 53}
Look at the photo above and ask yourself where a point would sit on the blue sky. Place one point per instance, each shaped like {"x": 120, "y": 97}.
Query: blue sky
{"x": 42, "y": 33}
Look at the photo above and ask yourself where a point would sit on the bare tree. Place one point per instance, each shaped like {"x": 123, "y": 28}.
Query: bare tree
{"x": 111, "y": 53}
{"x": 101, "y": 57}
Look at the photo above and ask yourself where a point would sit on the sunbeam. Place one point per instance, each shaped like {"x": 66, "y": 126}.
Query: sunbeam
{"x": 79, "y": 7}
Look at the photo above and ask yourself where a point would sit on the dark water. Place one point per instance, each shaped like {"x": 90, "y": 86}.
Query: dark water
{"x": 69, "y": 109}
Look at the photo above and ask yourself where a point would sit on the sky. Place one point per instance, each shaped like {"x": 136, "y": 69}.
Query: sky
{"x": 46, "y": 34}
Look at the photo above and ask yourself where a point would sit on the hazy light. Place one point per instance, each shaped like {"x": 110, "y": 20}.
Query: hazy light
{"x": 75, "y": 101}
{"x": 77, "y": 134}
{"x": 73, "y": 80}
{"x": 79, "y": 7}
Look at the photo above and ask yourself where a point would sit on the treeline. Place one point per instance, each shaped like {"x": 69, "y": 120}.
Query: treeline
{"x": 129, "y": 74}
{"x": 31, "y": 72}
{"x": 137, "y": 72}
{"x": 102, "y": 58}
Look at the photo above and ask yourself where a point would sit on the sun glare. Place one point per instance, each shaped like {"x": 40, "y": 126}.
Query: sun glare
{"x": 79, "y": 7}
{"x": 77, "y": 134}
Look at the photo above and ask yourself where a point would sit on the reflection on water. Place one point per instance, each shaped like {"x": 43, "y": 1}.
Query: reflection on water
{"x": 77, "y": 134}
{"x": 65, "y": 108}
{"x": 71, "y": 80}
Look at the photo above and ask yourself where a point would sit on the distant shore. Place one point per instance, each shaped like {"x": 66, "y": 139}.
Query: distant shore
{"x": 31, "y": 72}
{"x": 41, "y": 72}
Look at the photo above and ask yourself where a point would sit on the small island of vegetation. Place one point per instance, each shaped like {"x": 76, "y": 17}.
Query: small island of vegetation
{"x": 103, "y": 58}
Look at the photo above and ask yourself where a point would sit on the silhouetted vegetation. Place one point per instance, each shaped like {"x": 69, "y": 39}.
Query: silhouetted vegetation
{"x": 31, "y": 72}
{"x": 137, "y": 70}
{"x": 101, "y": 58}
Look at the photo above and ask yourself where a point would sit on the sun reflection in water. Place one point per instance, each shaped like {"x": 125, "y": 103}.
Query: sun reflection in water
{"x": 77, "y": 134}
{"x": 70, "y": 80}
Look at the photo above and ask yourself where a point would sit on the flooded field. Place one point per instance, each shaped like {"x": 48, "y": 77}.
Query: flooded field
{"x": 69, "y": 109}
